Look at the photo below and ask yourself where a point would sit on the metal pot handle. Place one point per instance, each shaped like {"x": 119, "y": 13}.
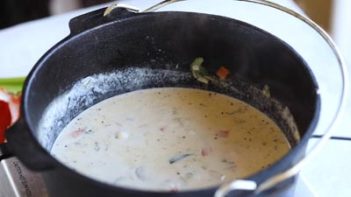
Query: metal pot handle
{"x": 4, "y": 152}
{"x": 98, "y": 17}
{"x": 20, "y": 143}
{"x": 250, "y": 185}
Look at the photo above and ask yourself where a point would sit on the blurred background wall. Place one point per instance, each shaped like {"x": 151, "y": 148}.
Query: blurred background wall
{"x": 320, "y": 11}
{"x": 332, "y": 15}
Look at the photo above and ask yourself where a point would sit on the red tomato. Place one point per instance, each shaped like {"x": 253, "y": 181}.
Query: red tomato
{"x": 9, "y": 111}
{"x": 5, "y": 119}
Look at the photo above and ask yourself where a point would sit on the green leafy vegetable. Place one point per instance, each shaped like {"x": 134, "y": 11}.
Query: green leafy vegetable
{"x": 266, "y": 91}
{"x": 178, "y": 157}
{"x": 13, "y": 85}
{"x": 199, "y": 72}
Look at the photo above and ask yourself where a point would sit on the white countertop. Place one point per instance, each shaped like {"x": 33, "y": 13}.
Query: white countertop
{"x": 22, "y": 45}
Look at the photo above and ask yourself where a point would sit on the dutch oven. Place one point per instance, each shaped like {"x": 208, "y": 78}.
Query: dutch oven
{"x": 122, "y": 51}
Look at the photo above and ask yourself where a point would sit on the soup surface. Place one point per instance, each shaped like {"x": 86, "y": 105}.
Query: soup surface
{"x": 170, "y": 139}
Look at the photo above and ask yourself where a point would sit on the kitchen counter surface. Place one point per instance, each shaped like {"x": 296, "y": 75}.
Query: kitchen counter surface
{"x": 22, "y": 45}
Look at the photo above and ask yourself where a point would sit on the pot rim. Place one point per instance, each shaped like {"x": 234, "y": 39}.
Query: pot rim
{"x": 256, "y": 176}
{"x": 311, "y": 127}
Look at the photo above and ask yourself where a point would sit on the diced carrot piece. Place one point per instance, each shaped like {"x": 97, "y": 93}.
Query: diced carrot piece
{"x": 222, "y": 72}
{"x": 205, "y": 151}
{"x": 222, "y": 134}
{"x": 77, "y": 133}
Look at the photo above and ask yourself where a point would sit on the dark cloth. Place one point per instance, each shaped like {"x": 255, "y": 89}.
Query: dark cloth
{"x": 17, "y": 11}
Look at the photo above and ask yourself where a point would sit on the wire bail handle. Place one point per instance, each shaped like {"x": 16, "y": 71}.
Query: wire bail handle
{"x": 250, "y": 185}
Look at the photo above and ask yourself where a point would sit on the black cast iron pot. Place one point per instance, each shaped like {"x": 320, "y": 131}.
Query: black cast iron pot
{"x": 124, "y": 51}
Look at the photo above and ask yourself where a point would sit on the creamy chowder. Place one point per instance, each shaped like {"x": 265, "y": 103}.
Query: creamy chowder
{"x": 170, "y": 139}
